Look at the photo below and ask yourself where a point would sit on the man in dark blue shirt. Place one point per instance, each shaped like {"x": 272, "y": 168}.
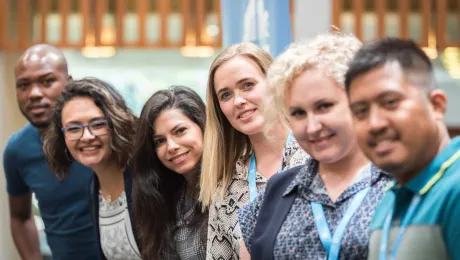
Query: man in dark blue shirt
{"x": 41, "y": 74}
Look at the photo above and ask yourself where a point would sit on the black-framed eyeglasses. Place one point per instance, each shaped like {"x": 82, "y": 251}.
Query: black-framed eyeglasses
{"x": 96, "y": 128}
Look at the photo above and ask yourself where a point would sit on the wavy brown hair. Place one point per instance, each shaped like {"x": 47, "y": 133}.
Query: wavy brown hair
{"x": 157, "y": 189}
{"x": 121, "y": 121}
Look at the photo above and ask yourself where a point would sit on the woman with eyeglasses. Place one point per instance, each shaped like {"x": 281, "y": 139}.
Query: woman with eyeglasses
{"x": 92, "y": 125}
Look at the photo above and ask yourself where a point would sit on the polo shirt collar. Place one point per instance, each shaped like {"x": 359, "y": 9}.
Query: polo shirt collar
{"x": 433, "y": 172}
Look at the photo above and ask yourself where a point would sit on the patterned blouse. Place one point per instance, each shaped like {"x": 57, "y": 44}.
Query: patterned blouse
{"x": 224, "y": 233}
{"x": 298, "y": 237}
{"x": 117, "y": 238}
{"x": 188, "y": 239}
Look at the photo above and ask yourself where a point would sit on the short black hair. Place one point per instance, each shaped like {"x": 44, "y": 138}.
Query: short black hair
{"x": 377, "y": 53}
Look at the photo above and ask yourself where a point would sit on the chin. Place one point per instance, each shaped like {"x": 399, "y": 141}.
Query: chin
{"x": 327, "y": 157}
{"x": 90, "y": 163}
{"x": 184, "y": 170}
{"x": 44, "y": 123}
{"x": 251, "y": 129}
{"x": 390, "y": 167}
{"x": 388, "y": 164}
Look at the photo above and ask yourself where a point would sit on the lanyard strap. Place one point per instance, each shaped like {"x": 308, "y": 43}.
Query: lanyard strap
{"x": 252, "y": 179}
{"x": 415, "y": 202}
{"x": 332, "y": 244}
{"x": 252, "y": 171}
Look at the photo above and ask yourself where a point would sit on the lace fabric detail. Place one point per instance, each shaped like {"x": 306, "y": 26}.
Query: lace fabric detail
{"x": 117, "y": 238}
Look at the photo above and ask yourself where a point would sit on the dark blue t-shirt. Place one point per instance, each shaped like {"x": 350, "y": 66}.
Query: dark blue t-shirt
{"x": 64, "y": 206}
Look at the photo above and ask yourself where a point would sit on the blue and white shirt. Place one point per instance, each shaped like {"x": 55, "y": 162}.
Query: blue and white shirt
{"x": 298, "y": 237}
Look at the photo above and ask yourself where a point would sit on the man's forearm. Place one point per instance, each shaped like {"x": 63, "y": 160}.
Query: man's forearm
{"x": 25, "y": 238}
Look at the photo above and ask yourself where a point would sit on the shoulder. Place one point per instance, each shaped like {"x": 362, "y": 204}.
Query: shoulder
{"x": 241, "y": 171}
{"x": 294, "y": 155}
{"x": 18, "y": 140}
{"x": 381, "y": 210}
{"x": 449, "y": 184}
{"x": 380, "y": 179}
{"x": 21, "y": 136}
{"x": 283, "y": 179}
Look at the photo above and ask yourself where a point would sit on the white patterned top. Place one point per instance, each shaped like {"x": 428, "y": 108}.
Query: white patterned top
{"x": 117, "y": 238}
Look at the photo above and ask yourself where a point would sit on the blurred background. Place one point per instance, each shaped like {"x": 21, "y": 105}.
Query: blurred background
{"x": 141, "y": 46}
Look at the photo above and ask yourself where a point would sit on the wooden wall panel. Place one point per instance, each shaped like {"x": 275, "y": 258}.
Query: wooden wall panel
{"x": 23, "y": 19}
{"x": 194, "y": 16}
{"x": 4, "y": 24}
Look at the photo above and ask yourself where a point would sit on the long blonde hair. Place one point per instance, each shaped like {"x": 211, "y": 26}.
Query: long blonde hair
{"x": 223, "y": 144}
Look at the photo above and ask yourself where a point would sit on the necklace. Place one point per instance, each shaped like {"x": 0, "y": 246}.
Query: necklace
{"x": 107, "y": 196}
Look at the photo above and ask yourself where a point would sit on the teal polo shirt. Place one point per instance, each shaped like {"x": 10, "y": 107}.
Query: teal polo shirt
{"x": 434, "y": 230}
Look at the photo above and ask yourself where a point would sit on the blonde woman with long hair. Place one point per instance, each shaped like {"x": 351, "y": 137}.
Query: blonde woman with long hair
{"x": 238, "y": 156}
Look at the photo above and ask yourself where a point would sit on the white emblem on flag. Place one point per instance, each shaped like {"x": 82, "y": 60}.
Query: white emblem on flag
{"x": 256, "y": 24}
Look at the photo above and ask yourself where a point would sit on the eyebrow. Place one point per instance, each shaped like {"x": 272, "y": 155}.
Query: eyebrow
{"x": 221, "y": 90}
{"x": 237, "y": 83}
{"x": 379, "y": 96}
{"x": 294, "y": 108}
{"x": 243, "y": 80}
{"x": 321, "y": 100}
{"x": 38, "y": 77}
{"x": 76, "y": 122}
{"x": 358, "y": 103}
{"x": 172, "y": 130}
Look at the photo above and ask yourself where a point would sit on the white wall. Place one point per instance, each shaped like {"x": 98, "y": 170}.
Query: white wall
{"x": 311, "y": 18}
{"x": 139, "y": 73}
{"x": 7, "y": 125}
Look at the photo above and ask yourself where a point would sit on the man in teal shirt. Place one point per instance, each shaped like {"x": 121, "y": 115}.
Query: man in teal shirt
{"x": 41, "y": 73}
{"x": 398, "y": 116}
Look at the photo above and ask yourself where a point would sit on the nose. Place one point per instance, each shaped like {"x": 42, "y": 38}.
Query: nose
{"x": 35, "y": 92}
{"x": 377, "y": 121}
{"x": 239, "y": 100}
{"x": 87, "y": 136}
{"x": 313, "y": 126}
{"x": 172, "y": 145}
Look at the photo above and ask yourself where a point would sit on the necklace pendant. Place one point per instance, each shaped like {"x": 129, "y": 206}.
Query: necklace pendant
{"x": 108, "y": 198}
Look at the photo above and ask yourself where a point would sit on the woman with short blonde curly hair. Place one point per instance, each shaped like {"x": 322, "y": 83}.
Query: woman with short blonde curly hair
{"x": 323, "y": 208}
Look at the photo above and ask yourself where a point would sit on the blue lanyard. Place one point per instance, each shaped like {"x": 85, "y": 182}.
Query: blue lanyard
{"x": 332, "y": 244}
{"x": 410, "y": 212}
{"x": 252, "y": 172}
{"x": 415, "y": 202}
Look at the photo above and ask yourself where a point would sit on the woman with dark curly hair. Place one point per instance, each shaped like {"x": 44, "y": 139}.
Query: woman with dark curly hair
{"x": 167, "y": 162}
{"x": 92, "y": 125}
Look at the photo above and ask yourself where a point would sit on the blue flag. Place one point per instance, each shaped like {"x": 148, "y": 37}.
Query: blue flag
{"x": 263, "y": 22}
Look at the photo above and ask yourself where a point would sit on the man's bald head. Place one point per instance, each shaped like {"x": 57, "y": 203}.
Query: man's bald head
{"x": 41, "y": 74}
{"x": 43, "y": 53}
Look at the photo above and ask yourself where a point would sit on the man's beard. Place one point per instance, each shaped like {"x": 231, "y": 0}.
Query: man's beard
{"x": 39, "y": 125}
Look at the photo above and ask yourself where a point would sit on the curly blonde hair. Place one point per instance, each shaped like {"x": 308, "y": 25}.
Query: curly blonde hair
{"x": 330, "y": 52}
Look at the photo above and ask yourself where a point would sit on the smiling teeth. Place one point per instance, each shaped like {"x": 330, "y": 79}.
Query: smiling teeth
{"x": 384, "y": 142}
{"x": 179, "y": 157}
{"x": 92, "y": 148}
{"x": 247, "y": 113}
